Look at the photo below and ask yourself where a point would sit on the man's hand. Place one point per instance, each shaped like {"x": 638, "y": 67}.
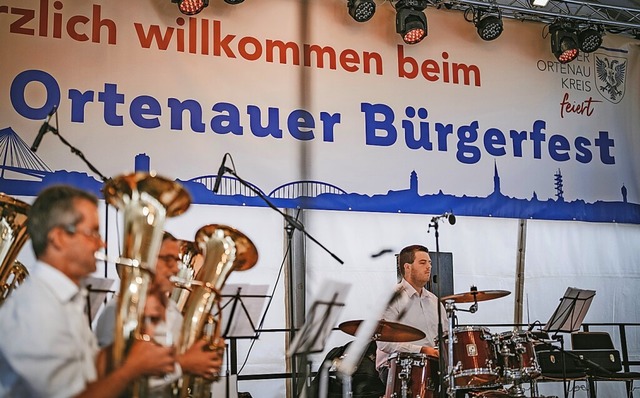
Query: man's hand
{"x": 430, "y": 351}
{"x": 150, "y": 359}
{"x": 144, "y": 359}
{"x": 198, "y": 360}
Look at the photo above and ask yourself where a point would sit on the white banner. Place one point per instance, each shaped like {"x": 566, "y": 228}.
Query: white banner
{"x": 345, "y": 117}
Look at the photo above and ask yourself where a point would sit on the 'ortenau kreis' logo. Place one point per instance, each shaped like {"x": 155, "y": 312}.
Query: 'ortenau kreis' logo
{"x": 610, "y": 76}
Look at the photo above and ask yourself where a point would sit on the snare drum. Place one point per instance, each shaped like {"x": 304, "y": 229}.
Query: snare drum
{"x": 516, "y": 356}
{"x": 474, "y": 357}
{"x": 412, "y": 376}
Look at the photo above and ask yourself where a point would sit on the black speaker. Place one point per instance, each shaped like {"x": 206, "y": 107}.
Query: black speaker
{"x": 445, "y": 278}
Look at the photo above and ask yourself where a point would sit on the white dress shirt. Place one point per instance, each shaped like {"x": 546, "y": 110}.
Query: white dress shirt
{"x": 47, "y": 348}
{"x": 417, "y": 310}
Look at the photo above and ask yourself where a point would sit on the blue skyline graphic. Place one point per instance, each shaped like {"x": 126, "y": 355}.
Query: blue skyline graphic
{"x": 23, "y": 173}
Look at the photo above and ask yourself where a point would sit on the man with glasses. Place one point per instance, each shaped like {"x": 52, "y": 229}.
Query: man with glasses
{"x": 47, "y": 348}
{"x": 197, "y": 360}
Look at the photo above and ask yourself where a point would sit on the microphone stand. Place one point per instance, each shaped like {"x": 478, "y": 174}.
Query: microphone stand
{"x": 77, "y": 152}
{"x": 291, "y": 221}
{"x": 450, "y": 392}
{"x": 292, "y": 225}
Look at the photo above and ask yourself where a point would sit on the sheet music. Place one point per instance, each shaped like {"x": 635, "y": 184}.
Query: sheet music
{"x": 571, "y": 311}
{"x": 249, "y": 304}
{"x": 323, "y": 315}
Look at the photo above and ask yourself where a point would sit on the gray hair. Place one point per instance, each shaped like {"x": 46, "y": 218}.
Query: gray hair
{"x": 54, "y": 207}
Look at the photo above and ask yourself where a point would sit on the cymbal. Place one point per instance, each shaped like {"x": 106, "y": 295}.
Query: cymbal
{"x": 477, "y": 295}
{"x": 385, "y": 331}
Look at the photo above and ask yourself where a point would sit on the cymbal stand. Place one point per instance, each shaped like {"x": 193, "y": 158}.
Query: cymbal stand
{"x": 450, "y": 307}
{"x": 474, "y": 306}
{"x": 516, "y": 389}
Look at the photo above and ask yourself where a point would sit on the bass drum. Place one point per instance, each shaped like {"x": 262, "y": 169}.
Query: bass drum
{"x": 412, "y": 376}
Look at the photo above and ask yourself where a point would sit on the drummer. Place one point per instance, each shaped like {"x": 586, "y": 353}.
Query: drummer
{"x": 415, "y": 306}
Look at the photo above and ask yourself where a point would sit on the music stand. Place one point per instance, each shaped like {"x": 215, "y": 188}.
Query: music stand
{"x": 571, "y": 311}
{"x": 241, "y": 306}
{"x": 364, "y": 336}
{"x": 323, "y": 315}
{"x": 568, "y": 318}
{"x": 97, "y": 289}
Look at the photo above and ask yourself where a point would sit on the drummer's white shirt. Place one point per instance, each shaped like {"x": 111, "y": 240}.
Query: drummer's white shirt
{"x": 417, "y": 310}
{"x": 46, "y": 346}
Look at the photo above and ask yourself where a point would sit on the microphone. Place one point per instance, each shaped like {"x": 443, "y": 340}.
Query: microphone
{"x": 43, "y": 130}
{"x": 449, "y": 216}
{"x": 221, "y": 170}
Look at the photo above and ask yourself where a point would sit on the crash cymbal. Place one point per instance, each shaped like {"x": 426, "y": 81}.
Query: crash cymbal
{"x": 476, "y": 295}
{"x": 386, "y": 331}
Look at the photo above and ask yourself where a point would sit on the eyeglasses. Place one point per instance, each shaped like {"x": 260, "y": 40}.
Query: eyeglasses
{"x": 168, "y": 258}
{"x": 89, "y": 233}
{"x": 153, "y": 320}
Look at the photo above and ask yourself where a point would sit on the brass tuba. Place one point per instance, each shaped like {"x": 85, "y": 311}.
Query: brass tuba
{"x": 13, "y": 235}
{"x": 225, "y": 249}
{"x": 146, "y": 201}
{"x": 190, "y": 264}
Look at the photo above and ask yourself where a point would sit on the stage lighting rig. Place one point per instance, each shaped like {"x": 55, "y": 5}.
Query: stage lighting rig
{"x": 539, "y": 3}
{"x": 191, "y": 7}
{"x": 590, "y": 39}
{"x": 564, "y": 42}
{"x": 488, "y": 23}
{"x": 411, "y": 22}
{"x": 361, "y": 10}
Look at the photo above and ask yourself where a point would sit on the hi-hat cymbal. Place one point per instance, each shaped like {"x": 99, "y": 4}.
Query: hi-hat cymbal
{"x": 385, "y": 331}
{"x": 476, "y": 295}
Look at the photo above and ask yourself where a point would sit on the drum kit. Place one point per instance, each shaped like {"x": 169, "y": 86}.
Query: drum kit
{"x": 477, "y": 360}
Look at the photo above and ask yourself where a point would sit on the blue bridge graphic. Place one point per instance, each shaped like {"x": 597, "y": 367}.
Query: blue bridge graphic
{"x": 23, "y": 173}
{"x": 228, "y": 186}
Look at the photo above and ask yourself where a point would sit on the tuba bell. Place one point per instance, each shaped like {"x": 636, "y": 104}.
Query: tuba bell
{"x": 225, "y": 249}
{"x": 146, "y": 201}
{"x": 13, "y": 235}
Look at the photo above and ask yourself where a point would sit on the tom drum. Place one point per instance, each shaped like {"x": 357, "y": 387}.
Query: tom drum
{"x": 474, "y": 357}
{"x": 412, "y": 376}
{"x": 516, "y": 356}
